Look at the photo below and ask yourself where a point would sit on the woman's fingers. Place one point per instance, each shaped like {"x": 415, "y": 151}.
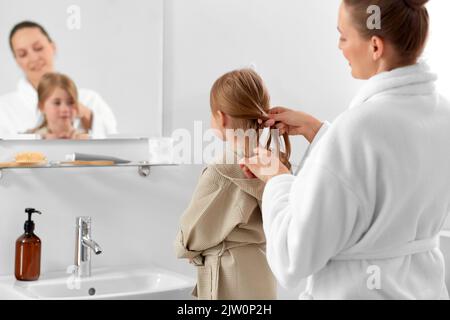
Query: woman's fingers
{"x": 276, "y": 110}
{"x": 269, "y": 123}
{"x": 275, "y": 115}
{"x": 281, "y": 117}
{"x": 249, "y": 168}
{"x": 282, "y": 127}
{"x": 264, "y": 165}
{"x": 247, "y": 172}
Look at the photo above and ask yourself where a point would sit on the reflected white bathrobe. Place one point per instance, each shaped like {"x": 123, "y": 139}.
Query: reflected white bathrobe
{"x": 19, "y": 111}
{"x": 364, "y": 213}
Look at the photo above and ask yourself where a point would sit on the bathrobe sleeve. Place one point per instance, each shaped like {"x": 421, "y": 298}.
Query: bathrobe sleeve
{"x": 6, "y": 127}
{"x": 104, "y": 122}
{"x": 323, "y": 129}
{"x": 311, "y": 217}
{"x": 210, "y": 217}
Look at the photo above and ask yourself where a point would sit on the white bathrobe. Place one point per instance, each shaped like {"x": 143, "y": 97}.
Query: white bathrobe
{"x": 19, "y": 111}
{"x": 364, "y": 213}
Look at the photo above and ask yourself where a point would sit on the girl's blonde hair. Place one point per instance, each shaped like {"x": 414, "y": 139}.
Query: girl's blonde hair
{"x": 49, "y": 82}
{"x": 242, "y": 95}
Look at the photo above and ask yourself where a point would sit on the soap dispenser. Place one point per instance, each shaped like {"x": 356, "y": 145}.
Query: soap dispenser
{"x": 28, "y": 252}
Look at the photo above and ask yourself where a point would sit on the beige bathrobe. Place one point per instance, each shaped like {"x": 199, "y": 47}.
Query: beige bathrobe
{"x": 221, "y": 233}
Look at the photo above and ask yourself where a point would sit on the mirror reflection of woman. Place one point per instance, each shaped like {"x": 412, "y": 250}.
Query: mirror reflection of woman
{"x": 34, "y": 52}
{"x": 58, "y": 102}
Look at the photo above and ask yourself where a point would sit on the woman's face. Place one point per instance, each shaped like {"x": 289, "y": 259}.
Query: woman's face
{"x": 59, "y": 110}
{"x": 33, "y": 52}
{"x": 357, "y": 50}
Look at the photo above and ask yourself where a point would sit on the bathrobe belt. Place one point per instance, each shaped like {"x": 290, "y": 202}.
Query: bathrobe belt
{"x": 220, "y": 249}
{"x": 214, "y": 255}
{"x": 217, "y": 251}
{"x": 412, "y": 247}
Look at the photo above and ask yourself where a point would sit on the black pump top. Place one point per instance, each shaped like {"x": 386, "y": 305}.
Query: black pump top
{"x": 29, "y": 224}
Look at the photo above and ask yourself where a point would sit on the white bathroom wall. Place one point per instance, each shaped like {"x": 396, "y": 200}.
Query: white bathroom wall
{"x": 438, "y": 50}
{"x": 292, "y": 43}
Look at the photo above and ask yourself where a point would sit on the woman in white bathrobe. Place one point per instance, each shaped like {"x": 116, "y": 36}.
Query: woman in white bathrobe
{"x": 362, "y": 217}
{"x": 34, "y": 52}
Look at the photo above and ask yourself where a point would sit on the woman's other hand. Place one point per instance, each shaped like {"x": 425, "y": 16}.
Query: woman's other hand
{"x": 247, "y": 171}
{"x": 86, "y": 116}
{"x": 264, "y": 165}
{"x": 293, "y": 122}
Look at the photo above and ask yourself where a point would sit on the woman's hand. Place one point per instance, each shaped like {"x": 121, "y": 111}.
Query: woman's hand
{"x": 247, "y": 171}
{"x": 86, "y": 117}
{"x": 293, "y": 122}
{"x": 264, "y": 165}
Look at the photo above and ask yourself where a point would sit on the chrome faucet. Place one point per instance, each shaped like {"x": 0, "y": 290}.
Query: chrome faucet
{"x": 83, "y": 246}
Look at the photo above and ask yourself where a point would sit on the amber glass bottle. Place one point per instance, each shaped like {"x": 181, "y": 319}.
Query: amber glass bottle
{"x": 28, "y": 252}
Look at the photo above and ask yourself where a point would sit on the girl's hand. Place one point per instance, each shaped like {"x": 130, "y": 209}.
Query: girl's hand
{"x": 264, "y": 165}
{"x": 293, "y": 122}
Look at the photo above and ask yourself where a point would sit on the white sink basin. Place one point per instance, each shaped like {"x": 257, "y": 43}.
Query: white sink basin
{"x": 125, "y": 283}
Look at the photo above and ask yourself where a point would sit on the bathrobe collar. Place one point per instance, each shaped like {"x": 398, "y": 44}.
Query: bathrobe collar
{"x": 416, "y": 79}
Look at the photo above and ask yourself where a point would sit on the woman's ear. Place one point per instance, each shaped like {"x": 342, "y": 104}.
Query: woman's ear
{"x": 376, "y": 48}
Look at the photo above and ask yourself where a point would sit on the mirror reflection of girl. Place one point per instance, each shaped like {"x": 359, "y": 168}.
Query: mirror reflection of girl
{"x": 221, "y": 231}
{"x": 58, "y": 102}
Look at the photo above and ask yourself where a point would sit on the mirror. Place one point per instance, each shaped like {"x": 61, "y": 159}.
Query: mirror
{"x": 105, "y": 54}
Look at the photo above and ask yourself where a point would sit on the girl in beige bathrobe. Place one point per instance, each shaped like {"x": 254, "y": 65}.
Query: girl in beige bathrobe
{"x": 221, "y": 231}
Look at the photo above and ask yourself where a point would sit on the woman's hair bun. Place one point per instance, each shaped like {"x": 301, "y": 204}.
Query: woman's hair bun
{"x": 405, "y": 24}
{"x": 415, "y": 4}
